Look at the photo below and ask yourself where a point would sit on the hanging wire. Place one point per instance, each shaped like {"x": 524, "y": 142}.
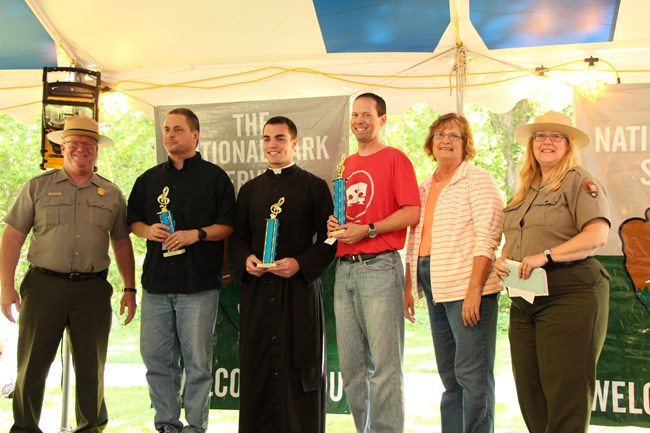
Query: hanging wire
{"x": 366, "y": 80}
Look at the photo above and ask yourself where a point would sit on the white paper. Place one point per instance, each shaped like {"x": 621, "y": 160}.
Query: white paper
{"x": 528, "y": 296}
{"x": 535, "y": 285}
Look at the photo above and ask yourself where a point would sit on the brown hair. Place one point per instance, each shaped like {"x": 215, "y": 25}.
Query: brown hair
{"x": 469, "y": 151}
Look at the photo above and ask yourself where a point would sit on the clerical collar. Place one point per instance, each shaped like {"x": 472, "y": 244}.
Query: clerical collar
{"x": 279, "y": 170}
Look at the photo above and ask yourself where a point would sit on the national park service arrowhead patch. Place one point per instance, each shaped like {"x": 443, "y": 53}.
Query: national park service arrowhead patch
{"x": 591, "y": 188}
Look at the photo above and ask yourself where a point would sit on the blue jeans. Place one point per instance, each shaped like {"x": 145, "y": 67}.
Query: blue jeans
{"x": 369, "y": 309}
{"x": 465, "y": 359}
{"x": 175, "y": 325}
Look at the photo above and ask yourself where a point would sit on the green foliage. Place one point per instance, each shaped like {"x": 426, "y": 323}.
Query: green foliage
{"x": 134, "y": 152}
{"x": 498, "y": 152}
{"x": 407, "y": 132}
{"x": 20, "y": 152}
{"x": 124, "y": 342}
{"x": 504, "y": 312}
{"x": 20, "y": 147}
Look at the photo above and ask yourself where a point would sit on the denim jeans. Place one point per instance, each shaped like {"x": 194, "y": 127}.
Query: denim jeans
{"x": 369, "y": 309}
{"x": 175, "y": 325}
{"x": 465, "y": 359}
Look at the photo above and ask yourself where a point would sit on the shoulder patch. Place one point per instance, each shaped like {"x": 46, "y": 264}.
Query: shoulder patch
{"x": 591, "y": 188}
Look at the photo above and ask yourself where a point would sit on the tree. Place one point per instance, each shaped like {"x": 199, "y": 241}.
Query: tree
{"x": 134, "y": 151}
{"x": 20, "y": 152}
{"x": 407, "y": 132}
{"x": 498, "y": 152}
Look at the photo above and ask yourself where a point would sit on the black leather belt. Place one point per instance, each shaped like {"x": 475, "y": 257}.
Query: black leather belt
{"x": 74, "y": 276}
{"x": 354, "y": 258}
{"x": 561, "y": 265}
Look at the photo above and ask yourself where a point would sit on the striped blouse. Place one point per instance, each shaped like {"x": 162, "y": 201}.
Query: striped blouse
{"x": 467, "y": 223}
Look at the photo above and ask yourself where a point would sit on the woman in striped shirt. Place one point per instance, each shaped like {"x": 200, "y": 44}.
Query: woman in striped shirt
{"x": 449, "y": 261}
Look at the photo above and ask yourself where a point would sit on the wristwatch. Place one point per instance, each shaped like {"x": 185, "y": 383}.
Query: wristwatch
{"x": 372, "y": 231}
{"x": 202, "y": 235}
{"x": 548, "y": 255}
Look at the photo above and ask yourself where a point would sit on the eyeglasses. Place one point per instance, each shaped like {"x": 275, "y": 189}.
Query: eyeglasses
{"x": 540, "y": 136}
{"x": 88, "y": 145}
{"x": 452, "y": 136}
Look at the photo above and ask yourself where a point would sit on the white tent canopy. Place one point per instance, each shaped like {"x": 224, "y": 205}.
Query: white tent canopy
{"x": 165, "y": 52}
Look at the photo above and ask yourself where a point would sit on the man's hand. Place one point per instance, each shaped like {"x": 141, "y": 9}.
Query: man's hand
{"x": 128, "y": 301}
{"x": 286, "y": 268}
{"x": 353, "y": 233}
{"x": 180, "y": 239}
{"x": 251, "y": 266}
{"x": 10, "y": 245}
{"x": 157, "y": 232}
{"x": 9, "y": 298}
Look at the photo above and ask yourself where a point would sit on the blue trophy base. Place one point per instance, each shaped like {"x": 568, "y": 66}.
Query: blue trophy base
{"x": 267, "y": 265}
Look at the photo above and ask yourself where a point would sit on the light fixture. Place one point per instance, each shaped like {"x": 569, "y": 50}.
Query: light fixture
{"x": 539, "y": 89}
{"x": 548, "y": 92}
{"x": 112, "y": 104}
{"x": 67, "y": 91}
{"x": 591, "y": 87}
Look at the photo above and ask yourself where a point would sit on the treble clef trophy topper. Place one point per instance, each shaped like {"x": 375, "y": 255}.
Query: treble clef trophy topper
{"x": 271, "y": 238}
{"x": 339, "y": 197}
{"x": 167, "y": 218}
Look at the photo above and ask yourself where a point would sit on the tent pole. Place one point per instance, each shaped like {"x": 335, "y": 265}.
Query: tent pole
{"x": 65, "y": 383}
{"x": 461, "y": 69}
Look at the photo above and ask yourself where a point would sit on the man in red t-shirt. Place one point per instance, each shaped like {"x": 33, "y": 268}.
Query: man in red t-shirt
{"x": 382, "y": 200}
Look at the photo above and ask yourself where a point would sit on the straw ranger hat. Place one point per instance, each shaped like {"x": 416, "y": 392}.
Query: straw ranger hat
{"x": 551, "y": 121}
{"x": 80, "y": 125}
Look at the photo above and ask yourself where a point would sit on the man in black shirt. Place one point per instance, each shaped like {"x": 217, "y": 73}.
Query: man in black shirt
{"x": 181, "y": 289}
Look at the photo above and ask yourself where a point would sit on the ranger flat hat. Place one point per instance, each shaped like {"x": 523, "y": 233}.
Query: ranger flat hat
{"x": 551, "y": 121}
{"x": 80, "y": 125}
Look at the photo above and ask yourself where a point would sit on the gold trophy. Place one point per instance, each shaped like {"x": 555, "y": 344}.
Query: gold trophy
{"x": 271, "y": 238}
{"x": 339, "y": 197}
{"x": 167, "y": 218}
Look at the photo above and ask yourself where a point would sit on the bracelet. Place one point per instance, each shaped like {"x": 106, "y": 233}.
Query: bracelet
{"x": 130, "y": 289}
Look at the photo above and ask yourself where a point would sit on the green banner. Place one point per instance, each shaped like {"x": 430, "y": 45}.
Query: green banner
{"x": 226, "y": 348}
{"x": 623, "y": 377}
{"x": 617, "y": 125}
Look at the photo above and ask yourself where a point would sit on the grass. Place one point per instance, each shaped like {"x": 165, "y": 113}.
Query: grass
{"x": 130, "y": 411}
{"x": 124, "y": 342}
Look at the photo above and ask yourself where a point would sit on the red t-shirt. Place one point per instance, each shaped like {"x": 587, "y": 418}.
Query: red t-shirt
{"x": 376, "y": 186}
